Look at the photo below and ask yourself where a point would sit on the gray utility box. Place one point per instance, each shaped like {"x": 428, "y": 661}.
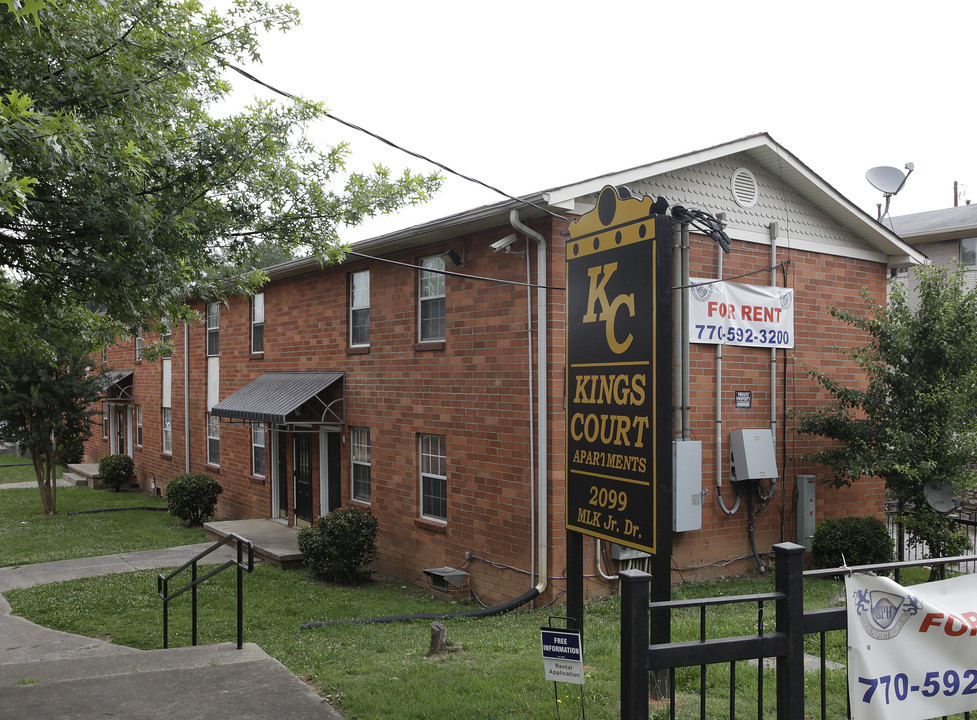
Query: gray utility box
{"x": 686, "y": 485}
{"x": 752, "y": 455}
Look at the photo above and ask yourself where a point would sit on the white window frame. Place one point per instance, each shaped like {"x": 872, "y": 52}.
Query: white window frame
{"x": 165, "y": 339}
{"x": 213, "y": 440}
{"x": 361, "y": 483}
{"x": 431, "y": 292}
{"x": 105, "y": 421}
{"x": 137, "y": 334}
{"x": 138, "y": 425}
{"x": 359, "y": 306}
{"x": 970, "y": 253}
{"x": 213, "y": 329}
{"x": 433, "y": 463}
{"x": 258, "y": 449}
{"x": 167, "y": 424}
{"x": 258, "y": 323}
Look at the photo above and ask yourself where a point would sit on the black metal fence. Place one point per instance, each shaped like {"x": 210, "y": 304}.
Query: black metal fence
{"x": 963, "y": 518}
{"x": 640, "y": 662}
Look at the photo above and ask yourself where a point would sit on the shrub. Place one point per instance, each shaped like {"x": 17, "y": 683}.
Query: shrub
{"x": 340, "y": 545}
{"x": 71, "y": 451}
{"x": 193, "y": 497}
{"x": 116, "y": 470}
{"x": 862, "y": 541}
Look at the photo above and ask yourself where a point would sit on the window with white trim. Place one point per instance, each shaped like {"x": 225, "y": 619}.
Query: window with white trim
{"x": 105, "y": 421}
{"x": 258, "y": 449}
{"x": 139, "y": 425}
{"x": 166, "y": 340}
{"x": 258, "y": 323}
{"x": 167, "y": 416}
{"x": 359, "y": 308}
{"x": 213, "y": 440}
{"x": 434, "y": 480}
{"x": 213, "y": 329}
{"x": 430, "y": 295}
{"x": 137, "y": 334}
{"x": 360, "y": 442}
{"x": 968, "y": 252}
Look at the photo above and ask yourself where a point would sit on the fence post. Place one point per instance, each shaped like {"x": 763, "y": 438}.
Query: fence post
{"x": 789, "y": 579}
{"x": 635, "y": 591}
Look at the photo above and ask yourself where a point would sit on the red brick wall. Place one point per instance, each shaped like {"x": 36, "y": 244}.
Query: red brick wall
{"x": 475, "y": 390}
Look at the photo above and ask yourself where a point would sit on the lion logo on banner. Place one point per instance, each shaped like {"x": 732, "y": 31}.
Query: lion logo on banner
{"x": 883, "y": 613}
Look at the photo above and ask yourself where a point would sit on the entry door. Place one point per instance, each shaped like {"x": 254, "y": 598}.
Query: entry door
{"x": 119, "y": 446}
{"x": 303, "y": 479}
{"x": 282, "y": 470}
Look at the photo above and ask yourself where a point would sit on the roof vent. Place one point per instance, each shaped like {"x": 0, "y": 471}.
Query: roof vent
{"x": 744, "y": 188}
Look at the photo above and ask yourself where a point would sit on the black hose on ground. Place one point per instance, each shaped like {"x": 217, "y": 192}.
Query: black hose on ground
{"x": 483, "y": 612}
{"x": 141, "y": 507}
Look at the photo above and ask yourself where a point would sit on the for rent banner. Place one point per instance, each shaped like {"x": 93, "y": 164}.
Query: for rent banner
{"x": 912, "y": 651}
{"x": 735, "y": 314}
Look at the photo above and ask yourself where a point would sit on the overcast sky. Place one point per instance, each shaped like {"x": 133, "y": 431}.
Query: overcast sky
{"x": 537, "y": 93}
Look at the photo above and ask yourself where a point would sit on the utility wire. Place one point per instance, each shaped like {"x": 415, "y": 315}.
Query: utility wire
{"x": 394, "y": 145}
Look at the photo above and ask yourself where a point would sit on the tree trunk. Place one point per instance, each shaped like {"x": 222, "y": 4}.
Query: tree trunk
{"x": 439, "y": 633}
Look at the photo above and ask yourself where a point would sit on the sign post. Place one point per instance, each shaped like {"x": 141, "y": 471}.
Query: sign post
{"x": 619, "y": 385}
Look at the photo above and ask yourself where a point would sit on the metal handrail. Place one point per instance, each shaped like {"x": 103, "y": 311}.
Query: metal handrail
{"x": 163, "y": 581}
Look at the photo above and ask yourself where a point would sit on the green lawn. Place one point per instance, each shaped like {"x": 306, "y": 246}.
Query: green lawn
{"x": 28, "y": 536}
{"x": 379, "y": 672}
{"x": 22, "y": 470}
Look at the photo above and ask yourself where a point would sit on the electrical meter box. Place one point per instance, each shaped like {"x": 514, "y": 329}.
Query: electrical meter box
{"x": 752, "y": 455}
{"x": 686, "y": 485}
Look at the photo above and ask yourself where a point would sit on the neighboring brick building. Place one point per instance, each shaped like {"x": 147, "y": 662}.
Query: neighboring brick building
{"x": 946, "y": 236}
{"x": 381, "y": 384}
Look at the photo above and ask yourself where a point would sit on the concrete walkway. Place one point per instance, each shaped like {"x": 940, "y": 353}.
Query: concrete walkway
{"x": 51, "y": 674}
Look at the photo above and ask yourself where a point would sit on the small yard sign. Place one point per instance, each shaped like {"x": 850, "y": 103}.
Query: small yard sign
{"x": 562, "y": 655}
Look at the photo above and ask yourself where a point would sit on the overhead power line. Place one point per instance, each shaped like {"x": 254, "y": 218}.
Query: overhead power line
{"x": 394, "y": 145}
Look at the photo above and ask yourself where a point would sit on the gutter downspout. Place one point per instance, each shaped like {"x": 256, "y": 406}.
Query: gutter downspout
{"x": 186, "y": 396}
{"x": 774, "y": 234}
{"x": 542, "y": 387}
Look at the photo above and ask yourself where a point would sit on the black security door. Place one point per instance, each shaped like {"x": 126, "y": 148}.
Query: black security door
{"x": 282, "y": 474}
{"x": 303, "y": 479}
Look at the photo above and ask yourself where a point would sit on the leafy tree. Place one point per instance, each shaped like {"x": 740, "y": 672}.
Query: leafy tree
{"x": 915, "y": 421}
{"x": 120, "y": 188}
{"x": 122, "y": 191}
{"x": 46, "y": 392}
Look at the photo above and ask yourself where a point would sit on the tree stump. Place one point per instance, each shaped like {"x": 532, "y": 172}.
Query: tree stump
{"x": 439, "y": 634}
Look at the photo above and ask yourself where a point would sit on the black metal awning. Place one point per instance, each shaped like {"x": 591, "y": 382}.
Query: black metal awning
{"x": 287, "y": 398}
{"x": 117, "y": 385}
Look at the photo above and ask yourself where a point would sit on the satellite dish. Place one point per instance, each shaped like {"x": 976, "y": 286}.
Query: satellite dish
{"x": 939, "y": 496}
{"x": 889, "y": 180}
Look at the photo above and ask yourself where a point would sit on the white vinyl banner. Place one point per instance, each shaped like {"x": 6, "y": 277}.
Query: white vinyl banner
{"x": 912, "y": 652}
{"x": 734, "y": 314}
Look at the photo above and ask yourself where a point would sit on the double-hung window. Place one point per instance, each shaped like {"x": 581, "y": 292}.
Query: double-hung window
{"x": 258, "y": 323}
{"x": 167, "y": 430}
{"x": 968, "y": 252}
{"x": 166, "y": 340}
{"x": 434, "y": 481}
{"x": 359, "y": 308}
{"x": 139, "y": 425}
{"x": 137, "y": 333}
{"x": 430, "y": 293}
{"x": 213, "y": 328}
{"x": 258, "y": 449}
{"x": 213, "y": 440}
{"x": 360, "y": 440}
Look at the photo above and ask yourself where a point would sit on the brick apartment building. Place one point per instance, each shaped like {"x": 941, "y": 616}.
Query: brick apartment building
{"x": 436, "y": 401}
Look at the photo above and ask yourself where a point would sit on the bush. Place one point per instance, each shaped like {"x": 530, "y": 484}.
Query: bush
{"x": 862, "y": 541}
{"x": 71, "y": 451}
{"x": 340, "y": 545}
{"x": 193, "y": 497}
{"x": 116, "y": 470}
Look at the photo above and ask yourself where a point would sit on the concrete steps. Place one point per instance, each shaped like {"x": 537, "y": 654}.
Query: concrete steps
{"x": 205, "y": 682}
